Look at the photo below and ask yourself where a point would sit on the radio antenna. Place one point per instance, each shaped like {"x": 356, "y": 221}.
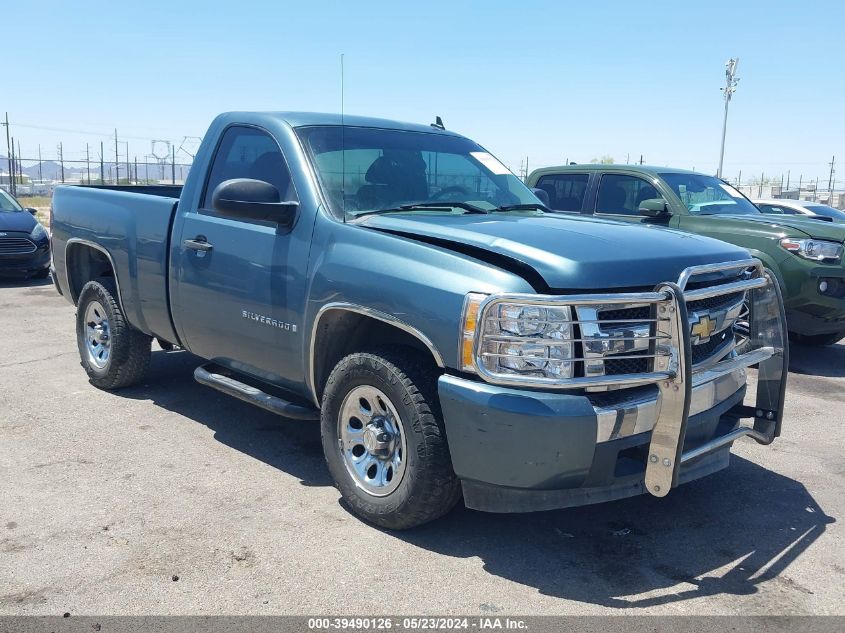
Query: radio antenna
{"x": 342, "y": 144}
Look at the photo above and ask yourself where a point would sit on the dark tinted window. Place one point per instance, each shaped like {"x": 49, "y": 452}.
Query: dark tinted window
{"x": 566, "y": 191}
{"x": 772, "y": 209}
{"x": 246, "y": 152}
{"x": 622, "y": 195}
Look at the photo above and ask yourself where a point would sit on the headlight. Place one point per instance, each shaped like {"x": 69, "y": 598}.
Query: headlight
{"x": 523, "y": 341}
{"x": 815, "y": 250}
{"x": 39, "y": 232}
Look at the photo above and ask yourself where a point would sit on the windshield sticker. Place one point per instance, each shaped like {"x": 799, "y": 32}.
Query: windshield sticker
{"x": 733, "y": 193}
{"x": 490, "y": 162}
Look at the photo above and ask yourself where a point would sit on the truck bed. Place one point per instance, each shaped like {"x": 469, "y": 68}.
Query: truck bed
{"x": 132, "y": 226}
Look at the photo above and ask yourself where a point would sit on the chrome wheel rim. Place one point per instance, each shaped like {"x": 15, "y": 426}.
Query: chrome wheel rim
{"x": 372, "y": 440}
{"x": 97, "y": 335}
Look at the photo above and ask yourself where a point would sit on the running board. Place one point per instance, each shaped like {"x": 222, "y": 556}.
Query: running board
{"x": 205, "y": 375}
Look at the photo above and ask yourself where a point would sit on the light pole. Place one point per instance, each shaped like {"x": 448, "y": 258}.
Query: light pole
{"x": 730, "y": 87}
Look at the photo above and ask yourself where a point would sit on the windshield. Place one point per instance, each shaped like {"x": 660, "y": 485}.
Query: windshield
{"x": 826, "y": 211}
{"x": 7, "y": 202}
{"x": 363, "y": 170}
{"x": 706, "y": 195}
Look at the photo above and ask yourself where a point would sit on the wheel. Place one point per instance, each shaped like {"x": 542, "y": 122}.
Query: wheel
{"x": 384, "y": 440}
{"x": 816, "y": 340}
{"x": 113, "y": 353}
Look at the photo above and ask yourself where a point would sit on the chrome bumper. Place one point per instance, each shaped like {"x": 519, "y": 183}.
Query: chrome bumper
{"x": 634, "y": 415}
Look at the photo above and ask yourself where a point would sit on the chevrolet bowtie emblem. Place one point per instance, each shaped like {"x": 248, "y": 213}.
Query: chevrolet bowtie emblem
{"x": 704, "y": 328}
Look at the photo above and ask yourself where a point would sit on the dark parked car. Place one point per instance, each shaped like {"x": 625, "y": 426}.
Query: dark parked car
{"x": 24, "y": 242}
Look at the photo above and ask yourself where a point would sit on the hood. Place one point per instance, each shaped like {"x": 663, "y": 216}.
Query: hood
{"x": 16, "y": 221}
{"x": 570, "y": 252}
{"x": 788, "y": 225}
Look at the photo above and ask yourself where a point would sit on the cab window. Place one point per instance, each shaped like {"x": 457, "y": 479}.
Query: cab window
{"x": 247, "y": 152}
{"x": 566, "y": 191}
{"x": 620, "y": 194}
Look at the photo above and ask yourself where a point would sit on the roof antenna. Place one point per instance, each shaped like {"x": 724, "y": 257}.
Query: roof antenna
{"x": 438, "y": 123}
{"x": 342, "y": 145}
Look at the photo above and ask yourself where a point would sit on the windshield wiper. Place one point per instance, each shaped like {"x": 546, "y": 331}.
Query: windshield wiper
{"x": 523, "y": 207}
{"x": 466, "y": 206}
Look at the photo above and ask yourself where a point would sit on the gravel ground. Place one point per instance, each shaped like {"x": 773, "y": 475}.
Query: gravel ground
{"x": 170, "y": 498}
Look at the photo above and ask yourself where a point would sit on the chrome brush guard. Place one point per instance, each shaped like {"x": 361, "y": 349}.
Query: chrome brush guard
{"x": 653, "y": 330}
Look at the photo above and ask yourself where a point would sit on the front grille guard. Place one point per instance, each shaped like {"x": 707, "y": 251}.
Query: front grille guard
{"x": 670, "y": 352}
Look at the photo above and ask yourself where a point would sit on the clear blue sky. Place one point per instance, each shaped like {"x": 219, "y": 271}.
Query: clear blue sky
{"x": 547, "y": 80}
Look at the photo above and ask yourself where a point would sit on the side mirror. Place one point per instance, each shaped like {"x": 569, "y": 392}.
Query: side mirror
{"x": 542, "y": 195}
{"x": 253, "y": 200}
{"x": 655, "y": 208}
{"x": 31, "y": 210}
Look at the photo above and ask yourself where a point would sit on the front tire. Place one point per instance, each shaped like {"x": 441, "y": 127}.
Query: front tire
{"x": 112, "y": 352}
{"x": 384, "y": 439}
{"x": 816, "y": 340}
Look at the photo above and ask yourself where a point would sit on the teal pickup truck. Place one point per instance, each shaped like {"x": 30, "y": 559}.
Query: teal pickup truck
{"x": 397, "y": 283}
{"x": 804, "y": 254}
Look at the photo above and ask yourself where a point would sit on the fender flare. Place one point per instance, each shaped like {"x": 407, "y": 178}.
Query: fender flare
{"x": 368, "y": 312}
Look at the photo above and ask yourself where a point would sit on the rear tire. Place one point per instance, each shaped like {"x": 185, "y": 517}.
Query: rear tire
{"x": 816, "y": 340}
{"x": 112, "y": 352}
{"x": 384, "y": 439}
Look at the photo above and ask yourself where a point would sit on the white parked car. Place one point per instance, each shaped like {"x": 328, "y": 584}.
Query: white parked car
{"x": 799, "y": 207}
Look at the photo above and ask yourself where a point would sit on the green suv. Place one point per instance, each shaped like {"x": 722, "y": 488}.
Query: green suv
{"x": 804, "y": 254}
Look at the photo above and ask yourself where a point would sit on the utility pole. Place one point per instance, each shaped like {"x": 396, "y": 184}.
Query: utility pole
{"x": 829, "y": 182}
{"x": 13, "y": 182}
{"x": 87, "y": 165}
{"x": 739, "y": 179}
{"x": 102, "y": 167}
{"x": 9, "y": 156}
{"x": 40, "y": 164}
{"x": 787, "y": 178}
{"x": 730, "y": 87}
{"x": 116, "y": 160}
{"x": 20, "y": 167}
{"x": 136, "y": 170}
{"x": 816, "y": 189}
{"x": 62, "y": 162}
{"x": 641, "y": 159}
{"x": 173, "y": 164}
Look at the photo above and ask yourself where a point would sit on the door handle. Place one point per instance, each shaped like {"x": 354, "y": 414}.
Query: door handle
{"x": 198, "y": 244}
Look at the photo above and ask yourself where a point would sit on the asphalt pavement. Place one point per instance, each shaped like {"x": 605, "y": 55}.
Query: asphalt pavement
{"x": 171, "y": 498}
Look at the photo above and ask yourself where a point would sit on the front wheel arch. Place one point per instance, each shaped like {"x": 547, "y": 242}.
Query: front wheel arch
{"x": 342, "y": 329}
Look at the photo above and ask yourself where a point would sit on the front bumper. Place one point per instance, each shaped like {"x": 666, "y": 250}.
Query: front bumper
{"x": 24, "y": 263}
{"x": 808, "y": 310}
{"x": 518, "y": 449}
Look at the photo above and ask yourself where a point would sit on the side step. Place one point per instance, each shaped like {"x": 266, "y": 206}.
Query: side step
{"x": 205, "y": 375}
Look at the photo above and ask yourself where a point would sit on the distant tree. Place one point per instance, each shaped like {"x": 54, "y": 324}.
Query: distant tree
{"x": 604, "y": 160}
